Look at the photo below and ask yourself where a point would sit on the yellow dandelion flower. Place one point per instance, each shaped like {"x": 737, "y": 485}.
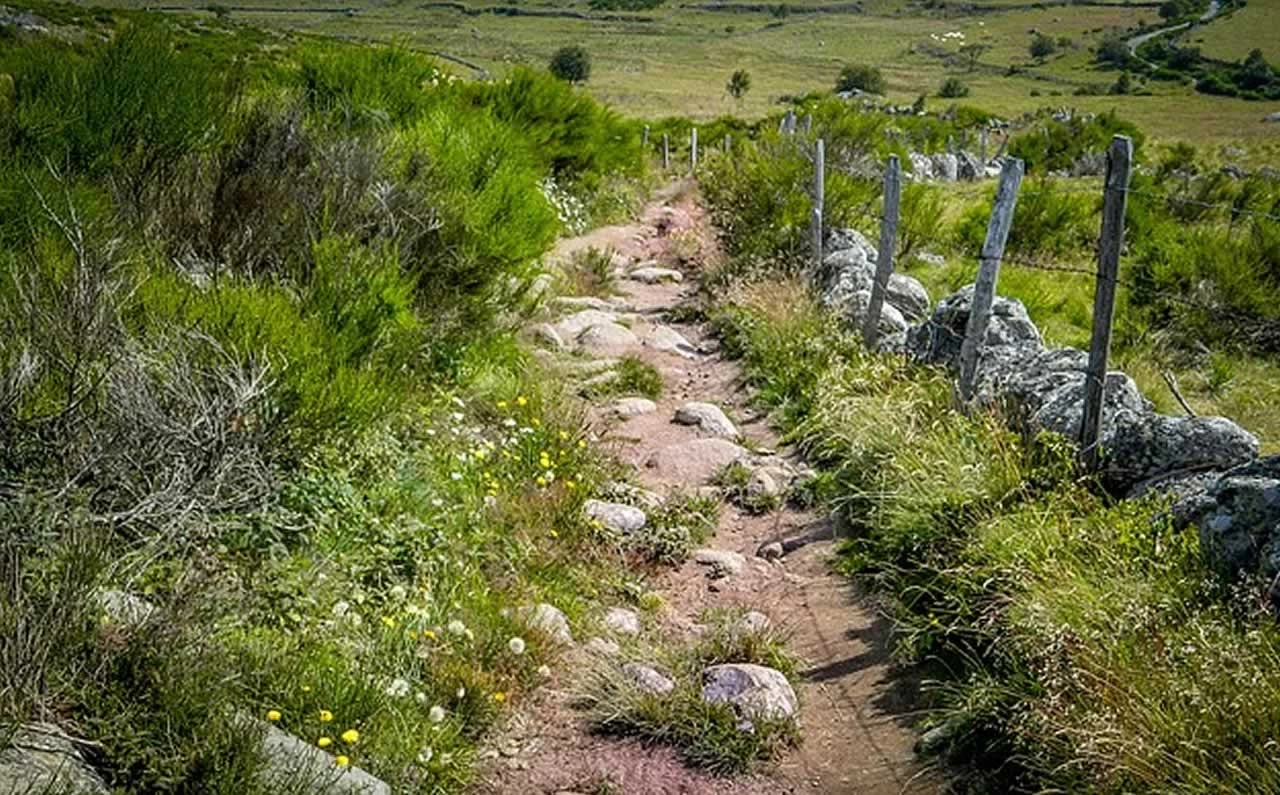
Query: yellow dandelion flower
{"x": 306, "y": 688}
{"x": 541, "y": 481}
{"x": 342, "y": 760}
{"x": 413, "y": 634}
{"x": 351, "y": 736}
{"x": 273, "y": 715}
{"x": 535, "y": 422}
{"x": 428, "y": 634}
{"x": 554, "y": 534}
{"x": 570, "y": 484}
{"x": 325, "y": 716}
{"x": 324, "y": 742}
{"x": 499, "y": 697}
{"x": 582, "y": 444}
{"x": 521, "y": 401}
{"x": 502, "y": 404}
{"x": 388, "y": 621}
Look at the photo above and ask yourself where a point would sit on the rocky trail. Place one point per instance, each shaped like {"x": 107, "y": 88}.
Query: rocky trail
{"x": 854, "y": 708}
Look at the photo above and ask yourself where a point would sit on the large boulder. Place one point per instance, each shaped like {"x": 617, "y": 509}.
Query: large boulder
{"x": 946, "y": 167}
{"x": 570, "y": 327}
{"x": 696, "y": 461}
{"x": 938, "y": 339}
{"x": 844, "y": 272}
{"x": 1238, "y": 519}
{"x": 754, "y": 692}
{"x": 1145, "y": 446}
{"x": 891, "y": 319}
{"x": 921, "y": 166}
{"x": 607, "y": 339}
{"x": 908, "y": 296}
{"x": 621, "y": 518}
{"x": 41, "y": 758}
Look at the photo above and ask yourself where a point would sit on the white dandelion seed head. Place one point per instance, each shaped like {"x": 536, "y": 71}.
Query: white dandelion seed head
{"x": 436, "y": 714}
{"x": 516, "y": 645}
{"x": 399, "y": 688}
{"x": 456, "y": 627}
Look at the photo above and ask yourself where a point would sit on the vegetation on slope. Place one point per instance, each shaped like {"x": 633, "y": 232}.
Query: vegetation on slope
{"x": 257, "y": 369}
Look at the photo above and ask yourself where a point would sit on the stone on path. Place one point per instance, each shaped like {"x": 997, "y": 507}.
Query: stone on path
{"x": 602, "y": 647}
{"x": 615, "y": 515}
{"x": 606, "y": 339}
{"x": 723, "y": 562}
{"x": 294, "y": 765}
{"x": 41, "y": 758}
{"x": 771, "y": 551}
{"x": 708, "y": 417}
{"x": 573, "y": 325}
{"x": 753, "y": 691}
{"x": 655, "y": 275}
{"x": 546, "y": 334}
{"x": 548, "y": 620}
{"x": 647, "y": 679}
{"x": 668, "y": 340}
{"x": 696, "y": 461}
{"x": 622, "y": 621}
{"x": 629, "y": 407}
{"x": 590, "y": 302}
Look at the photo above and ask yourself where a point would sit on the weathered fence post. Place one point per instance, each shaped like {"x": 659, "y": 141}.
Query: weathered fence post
{"x": 1119, "y": 163}
{"x": 807, "y": 123}
{"x": 982, "y": 148}
{"x": 728, "y": 143}
{"x": 644, "y": 137}
{"x": 819, "y": 198}
{"x": 888, "y": 241}
{"x": 984, "y": 290}
{"x": 693, "y": 149}
{"x": 666, "y": 152}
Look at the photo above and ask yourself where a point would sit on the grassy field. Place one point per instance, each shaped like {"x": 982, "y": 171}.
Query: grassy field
{"x": 1255, "y": 25}
{"x": 676, "y": 60}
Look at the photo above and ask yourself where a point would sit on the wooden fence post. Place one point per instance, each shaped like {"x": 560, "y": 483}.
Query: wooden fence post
{"x": 666, "y": 152}
{"x": 1119, "y": 163}
{"x": 984, "y": 290}
{"x": 982, "y": 149}
{"x": 819, "y": 198}
{"x": 693, "y": 149}
{"x": 644, "y": 137}
{"x": 888, "y": 241}
{"x": 728, "y": 143}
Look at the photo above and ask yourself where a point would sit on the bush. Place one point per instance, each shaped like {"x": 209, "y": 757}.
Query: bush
{"x": 953, "y": 88}
{"x": 860, "y": 77}
{"x": 1114, "y": 51}
{"x": 1042, "y": 47}
{"x": 1053, "y": 145}
{"x": 571, "y": 64}
{"x": 739, "y": 83}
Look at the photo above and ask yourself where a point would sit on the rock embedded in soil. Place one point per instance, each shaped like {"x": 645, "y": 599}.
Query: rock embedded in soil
{"x": 41, "y": 758}
{"x": 723, "y": 562}
{"x": 629, "y": 407}
{"x": 648, "y": 679}
{"x": 753, "y": 623}
{"x": 606, "y": 339}
{"x": 602, "y": 647}
{"x": 668, "y": 340}
{"x": 770, "y": 551}
{"x": 753, "y": 691}
{"x": 294, "y": 765}
{"x": 708, "y": 418}
{"x": 615, "y": 516}
{"x": 655, "y": 275}
{"x": 581, "y": 302}
{"x": 550, "y": 621}
{"x": 573, "y": 325}
{"x": 621, "y": 621}
{"x": 545, "y": 334}
{"x": 696, "y": 461}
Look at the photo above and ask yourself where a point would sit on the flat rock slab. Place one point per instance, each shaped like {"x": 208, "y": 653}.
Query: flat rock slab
{"x": 722, "y": 561}
{"x": 708, "y": 418}
{"x": 753, "y": 691}
{"x": 668, "y": 340}
{"x": 573, "y": 325}
{"x": 696, "y": 461}
{"x": 655, "y": 275}
{"x": 40, "y": 758}
{"x": 629, "y": 407}
{"x": 606, "y": 339}
{"x": 294, "y": 765}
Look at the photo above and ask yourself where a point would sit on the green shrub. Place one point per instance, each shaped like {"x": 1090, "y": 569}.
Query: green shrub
{"x": 1049, "y": 220}
{"x": 571, "y": 64}
{"x": 1053, "y": 145}
{"x": 953, "y": 88}
{"x": 860, "y": 77}
{"x": 356, "y": 87}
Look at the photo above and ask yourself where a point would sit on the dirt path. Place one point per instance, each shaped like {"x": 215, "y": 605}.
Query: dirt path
{"x": 854, "y": 716}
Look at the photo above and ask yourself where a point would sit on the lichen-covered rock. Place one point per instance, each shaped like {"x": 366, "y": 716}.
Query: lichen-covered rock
{"x": 921, "y": 166}
{"x": 41, "y": 758}
{"x": 908, "y": 296}
{"x": 946, "y": 167}
{"x": 845, "y": 273}
{"x": 968, "y": 167}
{"x": 722, "y": 562}
{"x": 615, "y": 516}
{"x": 708, "y": 418}
{"x": 622, "y": 621}
{"x": 938, "y": 339}
{"x": 545, "y": 334}
{"x": 125, "y": 609}
{"x": 1144, "y": 446}
{"x": 602, "y": 647}
{"x": 1238, "y": 519}
{"x": 753, "y": 691}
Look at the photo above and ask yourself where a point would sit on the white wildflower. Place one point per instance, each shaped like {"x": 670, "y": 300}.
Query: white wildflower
{"x": 436, "y": 714}
{"x": 516, "y": 645}
{"x": 398, "y": 592}
{"x": 456, "y": 627}
{"x": 425, "y": 755}
{"x": 399, "y": 688}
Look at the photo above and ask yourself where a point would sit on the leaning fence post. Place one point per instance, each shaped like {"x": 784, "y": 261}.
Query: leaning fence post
{"x": 1119, "y": 162}
{"x": 984, "y": 289}
{"x": 693, "y": 149}
{"x": 819, "y": 198}
{"x": 888, "y": 240}
{"x": 666, "y": 152}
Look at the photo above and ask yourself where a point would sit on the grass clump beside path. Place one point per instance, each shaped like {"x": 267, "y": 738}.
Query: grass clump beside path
{"x": 1080, "y": 645}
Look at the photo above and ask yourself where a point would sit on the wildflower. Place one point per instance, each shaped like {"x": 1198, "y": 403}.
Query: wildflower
{"x": 428, "y": 634}
{"x": 306, "y": 688}
{"x": 273, "y": 715}
{"x": 582, "y": 444}
{"x": 502, "y": 404}
{"x": 342, "y": 760}
{"x": 544, "y": 671}
{"x": 461, "y": 692}
{"x": 425, "y": 755}
{"x": 570, "y": 484}
{"x": 516, "y": 645}
{"x": 535, "y": 422}
{"x": 437, "y": 503}
{"x": 456, "y": 475}
{"x": 436, "y": 714}
{"x": 541, "y": 481}
{"x": 389, "y": 622}
{"x": 499, "y": 697}
{"x": 325, "y": 716}
{"x": 324, "y": 742}
{"x": 521, "y": 401}
{"x": 457, "y": 416}
{"x": 351, "y": 736}
{"x": 456, "y": 627}
{"x": 413, "y": 634}
{"x": 399, "y": 688}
